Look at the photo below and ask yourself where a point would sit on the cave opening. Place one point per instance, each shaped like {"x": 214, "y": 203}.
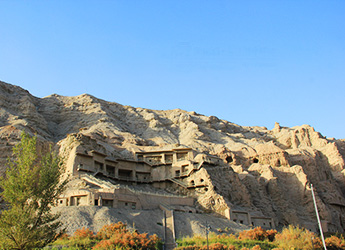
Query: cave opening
{"x": 229, "y": 159}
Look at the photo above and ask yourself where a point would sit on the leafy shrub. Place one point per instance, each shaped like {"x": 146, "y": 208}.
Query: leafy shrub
{"x": 334, "y": 243}
{"x": 254, "y": 234}
{"x": 297, "y": 238}
{"x": 113, "y": 236}
{"x": 83, "y": 234}
{"x": 82, "y": 239}
{"x": 271, "y": 234}
{"x": 129, "y": 240}
{"x": 258, "y": 234}
{"x": 109, "y": 230}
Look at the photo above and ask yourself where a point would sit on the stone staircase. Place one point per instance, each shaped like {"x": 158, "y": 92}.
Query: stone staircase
{"x": 178, "y": 182}
{"x": 169, "y": 227}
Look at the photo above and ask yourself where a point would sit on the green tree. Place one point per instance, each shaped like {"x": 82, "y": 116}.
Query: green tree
{"x": 31, "y": 186}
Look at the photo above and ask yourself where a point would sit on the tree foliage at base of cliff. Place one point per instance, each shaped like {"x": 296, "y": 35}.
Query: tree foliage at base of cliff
{"x": 31, "y": 186}
{"x": 291, "y": 237}
{"x": 113, "y": 236}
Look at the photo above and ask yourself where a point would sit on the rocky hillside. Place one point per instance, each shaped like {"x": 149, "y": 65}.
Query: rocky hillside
{"x": 264, "y": 171}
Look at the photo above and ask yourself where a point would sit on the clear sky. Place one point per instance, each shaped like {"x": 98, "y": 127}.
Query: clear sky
{"x": 249, "y": 62}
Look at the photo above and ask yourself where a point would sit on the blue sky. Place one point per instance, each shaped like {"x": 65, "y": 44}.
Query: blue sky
{"x": 249, "y": 62}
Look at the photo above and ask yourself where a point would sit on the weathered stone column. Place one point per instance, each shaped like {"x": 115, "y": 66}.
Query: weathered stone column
{"x": 100, "y": 200}
{"x": 133, "y": 175}
{"x": 174, "y": 157}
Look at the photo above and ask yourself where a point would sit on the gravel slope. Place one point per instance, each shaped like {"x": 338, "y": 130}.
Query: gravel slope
{"x": 148, "y": 221}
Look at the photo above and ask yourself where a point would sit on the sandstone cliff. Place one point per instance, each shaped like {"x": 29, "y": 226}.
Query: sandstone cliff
{"x": 267, "y": 172}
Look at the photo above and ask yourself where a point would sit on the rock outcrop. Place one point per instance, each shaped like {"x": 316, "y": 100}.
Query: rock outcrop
{"x": 266, "y": 172}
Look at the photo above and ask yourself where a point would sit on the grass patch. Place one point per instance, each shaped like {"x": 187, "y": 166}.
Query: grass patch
{"x": 74, "y": 244}
{"x": 228, "y": 240}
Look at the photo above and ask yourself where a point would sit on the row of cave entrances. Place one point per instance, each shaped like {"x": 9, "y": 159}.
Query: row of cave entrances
{"x": 192, "y": 182}
{"x": 229, "y": 159}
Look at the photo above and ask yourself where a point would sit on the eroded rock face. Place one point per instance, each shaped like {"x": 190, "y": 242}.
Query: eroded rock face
{"x": 264, "y": 171}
